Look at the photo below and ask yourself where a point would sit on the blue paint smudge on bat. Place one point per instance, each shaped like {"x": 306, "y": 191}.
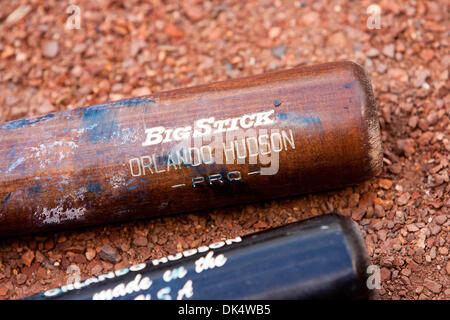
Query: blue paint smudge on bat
{"x": 34, "y": 190}
{"x": 15, "y": 164}
{"x": 7, "y": 198}
{"x": 100, "y": 122}
{"x": 132, "y": 102}
{"x": 99, "y": 119}
{"x": 10, "y": 156}
{"x": 94, "y": 187}
{"x": 295, "y": 119}
{"x": 25, "y": 122}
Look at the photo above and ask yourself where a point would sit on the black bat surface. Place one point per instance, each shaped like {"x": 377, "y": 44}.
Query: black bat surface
{"x": 320, "y": 258}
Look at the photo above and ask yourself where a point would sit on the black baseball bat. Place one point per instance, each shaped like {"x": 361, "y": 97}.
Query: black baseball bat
{"x": 319, "y": 258}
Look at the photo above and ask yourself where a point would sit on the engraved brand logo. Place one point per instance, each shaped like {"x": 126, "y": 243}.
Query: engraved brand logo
{"x": 205, "y": 127}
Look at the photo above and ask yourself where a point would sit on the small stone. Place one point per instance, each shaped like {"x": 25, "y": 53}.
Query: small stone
{"x": 97, "y": 269}
{"x": 279, "y": 51}
{"x": 398, "y": 74}
{"x": 396, "y": 168}
{"x": 385, "y": 274}
{"x": 443, "y": 251}
{"x": 3, "y": 291}
{"x": 423, "y": 124}
{"x": 412, "y": 228}
{"x": 381, "y": 68}
{"x": 406, "y": 272}
{"x": 423, "y": 296}
{"x": 389, "y": 50}
{"x": 110, "y": 254}
{"x": 354, "y": 200}
{"x": 425, "y": 138}
{"x": 439, "y": 179}
{"x": 420, "y": 77}
{"x": 21, "y": 278}
{"x": 46, "y": 107}
{"x": 7, "y": 52}
{"x": 27, "y": 258}
{"x": 215, "y": 34}
{"x": 311, "y": 17}
{"x": 369, "y": 212}
{"x": 372, "y": 53}
{"x": 18, "y": 14}
{"x": 379, "y": 211}
{"x": 385, "y": 183}
{"x": 382, "y": 235}
{"x": 386, "y": 204}
{"x": 40, "y": 257}
{"x": 435, "y": 229}
{"x": 420, "y": 243}
{"x": 432, "y": 118}
{"x": 136, "y": 47}
{"x": 357, "y": 46}
{"x": 337, "y": 39}
{"x": 173, "y": 32}
{"x": 433, "y": 253}
{"x": 447, "y": 268}
{"x": 440, "y": 219}
{"x": 77, "y": 71}
{"x": 412, "y": 122}
{"x": 423, "y": 92}
{"x": 427, "y": 54}
{"x": 261, "y": 225}
{"x": 378, "y": 224}
{"x": 274, "y": 32}
{"x": 193, "y": 11}
{"x": 90, "y": 254}
{"x": 432, "y": 285}
{"x": 140, "y": 241}
{"x": 406, "y": 146}
{"x": 403, "y": 199}
{"x": 142, "y": 91}
{"x": 358, "y": 214}
{"x": 399, "y": 217}
{"x": 49, "y": 244}
{"x": 50, "y": 49}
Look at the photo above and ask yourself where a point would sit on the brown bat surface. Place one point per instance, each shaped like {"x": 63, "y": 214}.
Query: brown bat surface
{"x": 279, "y": 134}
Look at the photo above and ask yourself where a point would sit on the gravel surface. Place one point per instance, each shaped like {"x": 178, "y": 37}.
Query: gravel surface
{"x": 127, "y": 48}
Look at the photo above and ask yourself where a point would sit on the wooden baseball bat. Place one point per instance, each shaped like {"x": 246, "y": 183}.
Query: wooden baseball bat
{"x": 320, "y": 258}
{"x": 279, "y": 134}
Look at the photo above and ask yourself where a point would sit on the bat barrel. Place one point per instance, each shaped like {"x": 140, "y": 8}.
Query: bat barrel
{"x": 319, "y": 258}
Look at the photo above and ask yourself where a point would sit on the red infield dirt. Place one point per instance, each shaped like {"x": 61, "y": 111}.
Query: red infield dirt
{"x": 127, "y": 48}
